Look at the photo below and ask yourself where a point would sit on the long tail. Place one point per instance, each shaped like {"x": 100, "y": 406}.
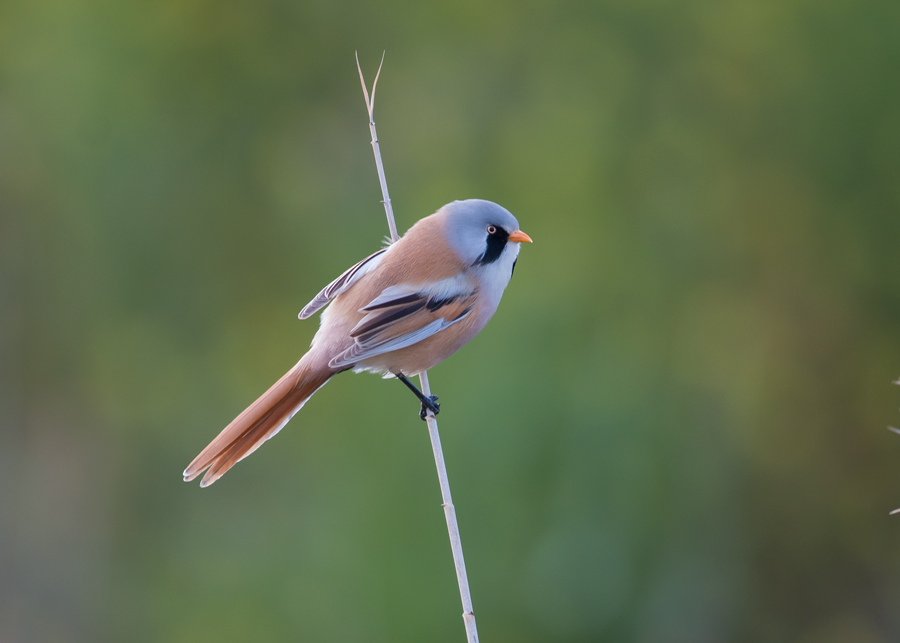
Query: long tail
{"x": 259, "y": 421}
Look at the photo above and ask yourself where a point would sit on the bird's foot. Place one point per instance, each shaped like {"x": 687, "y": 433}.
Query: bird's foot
{"x": 429, "y": 403}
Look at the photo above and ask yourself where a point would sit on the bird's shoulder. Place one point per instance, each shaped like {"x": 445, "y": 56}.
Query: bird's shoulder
{"x": 423, "y": 255}
{"x": 422, "y": 261}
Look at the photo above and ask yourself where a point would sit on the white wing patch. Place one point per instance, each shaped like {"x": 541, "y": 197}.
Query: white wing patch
{"x": 405, "y": 315}
{"x": 444, "y": 289}
{"x": 342, "y": 283}
{"x": 358, "y": 352}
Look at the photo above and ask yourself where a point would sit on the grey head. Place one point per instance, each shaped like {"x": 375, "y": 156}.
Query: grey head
{"x": 479, "y": 231}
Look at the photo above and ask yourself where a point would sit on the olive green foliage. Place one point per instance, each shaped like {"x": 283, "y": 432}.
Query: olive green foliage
{"x": 673, "y": 430}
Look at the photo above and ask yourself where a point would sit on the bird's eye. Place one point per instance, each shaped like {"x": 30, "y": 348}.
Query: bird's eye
{"x": 492, "y": 229}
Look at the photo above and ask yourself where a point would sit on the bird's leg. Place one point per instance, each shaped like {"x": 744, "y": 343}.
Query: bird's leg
{"x": 428, "y": 402}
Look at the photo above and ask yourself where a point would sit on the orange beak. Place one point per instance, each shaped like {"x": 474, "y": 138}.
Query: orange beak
{"x": 520, "y": 237}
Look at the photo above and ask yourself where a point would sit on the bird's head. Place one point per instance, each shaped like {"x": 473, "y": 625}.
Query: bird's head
{"x": 484, "y": 234}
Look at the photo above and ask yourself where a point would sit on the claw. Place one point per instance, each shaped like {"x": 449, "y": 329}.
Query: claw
{"x": 430, "y": 404}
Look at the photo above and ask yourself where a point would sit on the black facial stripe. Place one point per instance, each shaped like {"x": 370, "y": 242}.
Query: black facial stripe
{"x": 495, "y": 244}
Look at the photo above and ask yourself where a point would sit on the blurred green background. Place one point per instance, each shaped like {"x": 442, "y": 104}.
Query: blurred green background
{"x": 673, "y": 430}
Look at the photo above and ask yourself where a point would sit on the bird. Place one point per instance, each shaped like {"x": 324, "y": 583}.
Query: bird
{"x": 398, "y": 312}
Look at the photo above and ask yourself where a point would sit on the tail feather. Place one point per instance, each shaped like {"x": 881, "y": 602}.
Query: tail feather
{"x": 259, "y": 422}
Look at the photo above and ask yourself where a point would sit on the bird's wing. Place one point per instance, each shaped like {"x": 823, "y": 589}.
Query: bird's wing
{"x": 341, "y": 284}
{"x": 405, "y": 315}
